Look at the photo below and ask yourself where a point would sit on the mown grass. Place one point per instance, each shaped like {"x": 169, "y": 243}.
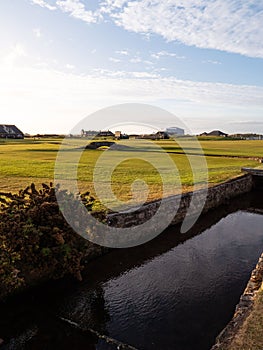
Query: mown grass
{"x": 26, "y": 161}
{"x": 246, "y": 148}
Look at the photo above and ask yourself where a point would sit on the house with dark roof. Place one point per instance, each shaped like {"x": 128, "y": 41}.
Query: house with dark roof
{"x": 107, "y": 133}
{"x": 214, "y": 133}
{"x": 157, "y": 136}
{"x": 217, "y": 133}
{"x": 10, "y": 132}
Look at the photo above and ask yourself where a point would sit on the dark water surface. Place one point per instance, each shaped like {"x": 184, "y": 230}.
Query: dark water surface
{"x": 176, "y": 292}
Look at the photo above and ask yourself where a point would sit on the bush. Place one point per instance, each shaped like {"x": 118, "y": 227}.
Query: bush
{"x": 36, "y": 243}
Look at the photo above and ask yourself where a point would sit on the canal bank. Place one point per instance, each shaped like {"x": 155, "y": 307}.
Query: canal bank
{"x": 176, "y": 292}
{"x": 235, "y": 331}
{"x": 41, "y": 222}
{"x": 219, "y": 195}
{"x": 243, "y": 310}
{"x": 208, "y": 199}
{"x": 233, "y": 335}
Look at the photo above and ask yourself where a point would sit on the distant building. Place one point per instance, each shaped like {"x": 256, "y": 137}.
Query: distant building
{"x": 118, "y": 135}
{"x": 247, "y": 136}
{"x": 134, "y": 136}
{"x": 217, "y": 133}
{"x": 162, "y": 135}
{"x": 214, "y": 133}
{"x": 254, "y": 137}
{"x": 107, "y": 133}
{"x": 174, "y": 131}
{"x": 157, "y": 136}
{"x": 10, "y": 132}
{"x": 87, "y": 133}
{"x": 94, "y": 133}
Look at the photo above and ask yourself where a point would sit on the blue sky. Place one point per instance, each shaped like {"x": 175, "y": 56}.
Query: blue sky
{"x": 201, "y": 60}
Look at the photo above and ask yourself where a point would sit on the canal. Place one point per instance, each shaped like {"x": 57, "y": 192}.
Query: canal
{"x": 176, "y": 292}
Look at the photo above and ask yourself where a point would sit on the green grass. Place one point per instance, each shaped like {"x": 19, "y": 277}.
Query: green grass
{"x": 26, "y": 161}
{"x": 218, "y": 147}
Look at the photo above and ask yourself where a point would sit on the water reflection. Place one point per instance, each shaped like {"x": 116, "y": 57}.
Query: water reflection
{"x": 176, "y": 292}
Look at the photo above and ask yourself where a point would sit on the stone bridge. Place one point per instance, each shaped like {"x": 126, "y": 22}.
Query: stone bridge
{"x": 98, "y": 144}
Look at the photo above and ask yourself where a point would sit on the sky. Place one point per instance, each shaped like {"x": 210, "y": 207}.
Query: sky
{"x": 201, "y": 60}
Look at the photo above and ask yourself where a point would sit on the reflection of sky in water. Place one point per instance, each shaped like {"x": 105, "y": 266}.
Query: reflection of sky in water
{"x": 185, "y": 287}
{"x": 172, "y": 293}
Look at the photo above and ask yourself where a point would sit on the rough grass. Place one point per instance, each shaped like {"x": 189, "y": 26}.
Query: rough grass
{"x": 250, "y": 336}
{"x": 26, "y": 161}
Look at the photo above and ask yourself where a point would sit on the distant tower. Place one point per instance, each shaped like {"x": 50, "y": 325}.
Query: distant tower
{"x": 118, "y": 135}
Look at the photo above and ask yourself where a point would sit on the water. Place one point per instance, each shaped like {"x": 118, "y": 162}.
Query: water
{"x": 176, "y": 292}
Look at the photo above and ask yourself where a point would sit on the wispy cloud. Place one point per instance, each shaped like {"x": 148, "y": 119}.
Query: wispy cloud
{"x": 109, "y": 6}
{"x": 43, "y": 3}
{"x": 247, "y": 122}
{"x": 159, "y": 54}
{"x": 228, "y": 25}
{"x": 115, "y": 60}
{"x": 37, "y": 32}
{"x": 70, "y": 66}
{"x": 77, "y": 10}
{"x": 143, "y": 75}
{"x": 135, "y": 60}
{"x": 15, "y": 52}
{"x": 212, "y": 62}
{"x": 28, "y": 91}
{"x": 122, "y": 52}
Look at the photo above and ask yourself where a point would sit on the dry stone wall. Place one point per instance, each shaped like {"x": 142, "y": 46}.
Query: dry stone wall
{"x": 216, "y": 196}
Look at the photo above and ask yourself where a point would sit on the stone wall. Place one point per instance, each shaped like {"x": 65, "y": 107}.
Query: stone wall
{"x": 216, "y": 196}
{"x": 243, "y": 309}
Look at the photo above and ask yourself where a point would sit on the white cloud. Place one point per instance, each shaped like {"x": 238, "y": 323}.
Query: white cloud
{"x": 136, "y": 60}
{"x": 115, "y": 60}
{"x": 228, "y": 25}
{"x": 70, "y": 66}
{"x": 247, "y": 122}
{"x": 11, "y": 57}
{"x": 149, "y": 62}
{"x": 108, "y": 6}
{"x": 122, "y": 52}
{"x": 37, "y": 32}
{"x": 55, "y": 96}
{"x": 43, "y": 3}
{"x": 144, "y": 75}
{"x": 77, "y": 10}
{"x": 212, "y": 62}
{"x": 130, "y": 85}
{"x": 159, "y": 54}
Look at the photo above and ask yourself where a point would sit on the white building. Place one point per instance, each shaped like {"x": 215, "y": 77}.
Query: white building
{"x": 174, "y": 131}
